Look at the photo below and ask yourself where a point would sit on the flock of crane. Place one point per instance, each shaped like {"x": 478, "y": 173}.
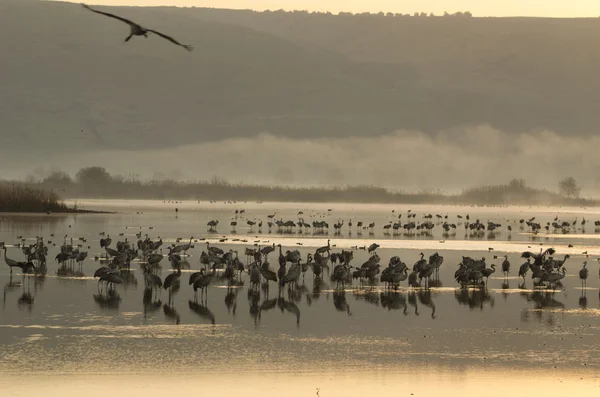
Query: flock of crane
{"x": 546, "y": 271}
{"x": 396, "y": 226}
{"x": 370, "y": 279}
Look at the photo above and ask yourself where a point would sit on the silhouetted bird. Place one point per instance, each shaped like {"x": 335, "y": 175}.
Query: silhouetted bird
{"x": 137, "y": 30}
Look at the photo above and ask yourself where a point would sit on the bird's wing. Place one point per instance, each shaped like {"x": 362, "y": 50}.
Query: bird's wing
{"x": 127, "y": 21}
{"x": 527, "y": 254}
{"x": 172, "y": 40}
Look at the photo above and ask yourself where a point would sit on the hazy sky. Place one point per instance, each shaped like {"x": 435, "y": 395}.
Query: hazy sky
{"x": 552, "y": 8}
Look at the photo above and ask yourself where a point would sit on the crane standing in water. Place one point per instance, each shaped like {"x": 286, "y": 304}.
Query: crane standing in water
{"x": 583, "y": 275}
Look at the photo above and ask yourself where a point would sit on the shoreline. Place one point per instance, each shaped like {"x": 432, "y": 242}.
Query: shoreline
{"x": 65, "y": 212}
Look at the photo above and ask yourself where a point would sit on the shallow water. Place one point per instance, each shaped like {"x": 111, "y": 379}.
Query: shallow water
{"x": 67, "y": 335}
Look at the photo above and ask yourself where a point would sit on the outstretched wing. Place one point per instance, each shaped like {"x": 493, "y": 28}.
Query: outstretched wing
{"x": 127, "y": 21}
{"x": 528, "y": 254}
{"x": 172, "y": 40}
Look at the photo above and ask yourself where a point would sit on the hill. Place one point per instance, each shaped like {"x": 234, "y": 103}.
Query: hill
{"x": 72, "y": 90}
{"x": 514, "y": 73}
{"x": 73, "y": 80}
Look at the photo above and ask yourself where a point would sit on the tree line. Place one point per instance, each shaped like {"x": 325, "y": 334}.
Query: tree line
{"x": 458, "y": 14}
{"x": 97, "y": 182}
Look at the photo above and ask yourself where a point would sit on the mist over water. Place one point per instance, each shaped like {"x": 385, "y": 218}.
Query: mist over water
{"x": 448, "y": 160}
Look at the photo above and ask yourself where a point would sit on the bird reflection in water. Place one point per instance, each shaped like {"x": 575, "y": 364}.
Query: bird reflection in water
{"x": 289, "y": 307}
{"x": 368, "y": 295}
{"x": 40, "y": 276}
{"x": 110, "y": 299}
{"x": 267, "y": 305}
{"x": 505, "y": 287}
{"x": 12, "y": 285}
{"x": 474, "y": 298}
{"x": 26, "y": 300}
{"x": 253, "y": 301}
{"x": 202, "y": 310}
{"x": 231, "y": 300}
{"x": 583, "y": 301}
{"x": 392, "y": 300}
{"x": 412, "y": 300}
{"x": 151, "y": 302}
{"x": 295, "y": 294}
{"x": 318, "y": 286}
{"x": 543, "y": 299}
{"x": 171, "y": 314}
{"x": 340, "y": 303}
{"x": 544, "y": 303}
{"x": 425, "y": 299}
{"x": 129, "y": 278}
{"x": 69, "y": 271}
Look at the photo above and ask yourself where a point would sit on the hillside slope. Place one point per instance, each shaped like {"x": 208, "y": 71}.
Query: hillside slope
{"x": 70, "y": 81}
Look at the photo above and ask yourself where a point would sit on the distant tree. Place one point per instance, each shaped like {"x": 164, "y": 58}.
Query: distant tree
{"x": 31, "y": 179}
{"x": 516, "y": 184}
{"x": 132, "y": 177}
{"x": 416, "y": 14}
{"x": 431, "y": 14}
{"x": 159, "y": 176}
{"x": 389, "y": 14}
{"x": 568, "y": 187}
{"x": 175, "y": 175}
{"x": 58, "y": 178}
{"x": 468, "y": 14}
{"x": 423, "y": 14}
{"x": 446, "y": 14}
{"x": 93, "y": 176}
{"x": 218, "y": 181}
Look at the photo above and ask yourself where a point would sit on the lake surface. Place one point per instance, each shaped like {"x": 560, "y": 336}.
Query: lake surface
{"x": 68, "y": 338}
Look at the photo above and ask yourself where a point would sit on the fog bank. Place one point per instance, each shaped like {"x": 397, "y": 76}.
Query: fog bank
{"x": 448, "y": 160}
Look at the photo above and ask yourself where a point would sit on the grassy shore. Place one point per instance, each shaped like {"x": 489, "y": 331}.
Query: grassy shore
{"x": 22, "y": 197}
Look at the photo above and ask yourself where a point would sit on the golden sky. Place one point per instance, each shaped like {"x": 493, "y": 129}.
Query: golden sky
{"x": 542, "y": 8}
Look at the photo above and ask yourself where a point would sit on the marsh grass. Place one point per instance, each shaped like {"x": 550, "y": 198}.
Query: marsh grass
{"x": 23, "y": 197}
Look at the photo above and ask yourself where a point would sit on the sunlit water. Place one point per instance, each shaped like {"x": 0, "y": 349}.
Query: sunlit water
{"x": 71, "y": 338}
